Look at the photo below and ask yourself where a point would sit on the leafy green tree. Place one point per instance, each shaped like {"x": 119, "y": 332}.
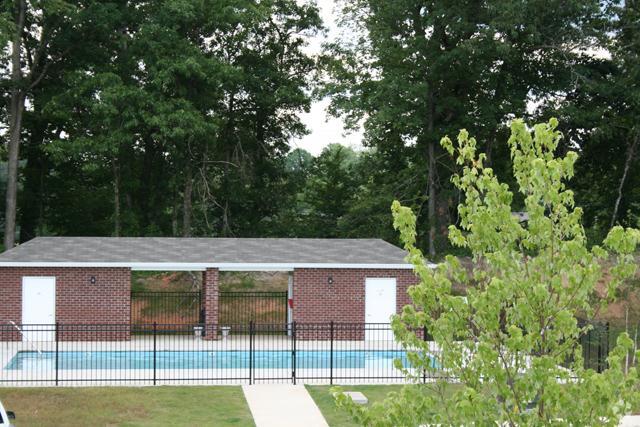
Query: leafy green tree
{"x": 289, "y": 220}
{"x": 180, "y": 112}
{"x": 96, "y": 105}
{"x": 330, "y": 189}
{"x": 381, "y": 179}
{"x": 76, "y": 41}
{"x": 298, "y": 165}
{"x": 420, "y": 69}
{"x": 39, "y": 34}
{"x": 513, "y": 342}
{"x": 265, "y": 86}
{"x": 600, "y": 115}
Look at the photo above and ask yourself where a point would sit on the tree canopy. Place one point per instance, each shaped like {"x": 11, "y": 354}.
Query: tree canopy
{"x": 176, "y": 117}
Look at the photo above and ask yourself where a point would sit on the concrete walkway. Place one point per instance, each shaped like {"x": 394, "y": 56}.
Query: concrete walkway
{"x": 282, "y": 405}
{"x": 630, "y": 421}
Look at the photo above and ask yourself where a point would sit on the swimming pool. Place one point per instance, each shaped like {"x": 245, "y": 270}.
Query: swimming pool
{"x": 229, "y": 359}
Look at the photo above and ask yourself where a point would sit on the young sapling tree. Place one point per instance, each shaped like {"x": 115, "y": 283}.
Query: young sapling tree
{"x": 513, "y": 342}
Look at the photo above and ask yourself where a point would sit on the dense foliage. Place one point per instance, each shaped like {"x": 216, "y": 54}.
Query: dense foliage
{"x": 416, "y": 70}
{"x": 174, "y": 117}
{"x": 513, "y": 339}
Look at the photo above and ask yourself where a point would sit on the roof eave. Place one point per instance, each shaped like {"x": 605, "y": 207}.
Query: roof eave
{"x": 163, "y": 266}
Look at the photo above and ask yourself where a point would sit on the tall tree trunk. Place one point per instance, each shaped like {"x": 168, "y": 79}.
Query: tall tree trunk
{"x": 186, "y": 208}
{"x": 16, "y": 112}
{"x": 31, "y": 199}
{"x": 147, "y": 189}
{"x": 431, "y": 193}
{"x": 41, "y": 198}
{"x": 489, "y": 151}
{"x": 174, "y": 215}
{"x": 116, "y": 197}
{"x": 226, "y": 228}
{"x": 431, "y": 202}
{"x": 627, "y": 164}
{"x": 417, "y": 22}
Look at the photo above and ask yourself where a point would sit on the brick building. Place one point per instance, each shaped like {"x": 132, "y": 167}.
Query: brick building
{"x": 87, "y": 280}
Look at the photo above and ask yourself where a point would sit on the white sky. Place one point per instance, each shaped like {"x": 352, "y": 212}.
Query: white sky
{"x": 324, "y": 130}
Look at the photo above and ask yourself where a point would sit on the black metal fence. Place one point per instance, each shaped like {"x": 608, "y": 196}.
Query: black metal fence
{"x": 165, "y": 308}
{"x": 259, "y": 307}
{"x": 65, "y": 354}
{"x": 185, "y": 308}
{"x": 595, "y": 346}
{"x": 325, "y": 353}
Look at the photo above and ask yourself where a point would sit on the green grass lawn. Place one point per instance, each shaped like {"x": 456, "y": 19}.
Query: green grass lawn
{"x": 219, "y": 406}
{"x": 338, "y": 418}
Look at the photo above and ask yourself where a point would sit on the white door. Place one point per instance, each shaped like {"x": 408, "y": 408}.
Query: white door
{"x": 380, "y": 305}
{"x": 39, "y": 308}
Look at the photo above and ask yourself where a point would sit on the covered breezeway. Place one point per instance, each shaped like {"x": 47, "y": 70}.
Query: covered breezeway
{"x": 170, "y": 299}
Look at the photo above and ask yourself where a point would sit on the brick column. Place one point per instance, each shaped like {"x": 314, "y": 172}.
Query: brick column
{"x": 210, "y": 302}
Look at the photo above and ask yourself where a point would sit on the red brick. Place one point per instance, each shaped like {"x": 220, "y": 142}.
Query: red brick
{"x": 107, "y": 302}
{"x": 210, "y": 302}
{"x": 315, "y": 301}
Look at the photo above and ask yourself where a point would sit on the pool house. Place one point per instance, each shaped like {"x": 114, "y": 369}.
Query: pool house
{"x": 67, "y": 315}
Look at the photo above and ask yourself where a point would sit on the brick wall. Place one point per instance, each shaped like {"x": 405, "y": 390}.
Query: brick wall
{"x": 108, "y": 301}
{"x": 210, "y": 302}
{"x": 315, "y": 301}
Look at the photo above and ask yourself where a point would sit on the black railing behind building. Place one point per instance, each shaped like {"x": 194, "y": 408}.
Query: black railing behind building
{"x": 185, "y": 308}
{"x": 595, "y": 346}
{"x": 164, "y": 308}
{"x": 258, "y": 307}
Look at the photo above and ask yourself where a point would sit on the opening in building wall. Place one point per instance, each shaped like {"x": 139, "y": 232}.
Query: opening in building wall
{"x": 165, "y": 298}
{"x": 253, "y": 296}
{"x": 170, "y": 298}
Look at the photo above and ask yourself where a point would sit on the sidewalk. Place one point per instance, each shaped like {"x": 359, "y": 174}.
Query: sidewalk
{"x": 282, "y": 405}
{"x": 630, "y": 421}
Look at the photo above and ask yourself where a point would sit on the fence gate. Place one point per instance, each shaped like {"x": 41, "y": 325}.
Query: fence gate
{"x": 259, "y": 307}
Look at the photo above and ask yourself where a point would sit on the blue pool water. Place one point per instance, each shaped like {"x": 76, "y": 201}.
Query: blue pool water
{"x": 79, "y": 360}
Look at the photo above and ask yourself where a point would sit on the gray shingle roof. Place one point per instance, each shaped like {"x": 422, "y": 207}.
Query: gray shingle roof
{"x": 132, "y": 250}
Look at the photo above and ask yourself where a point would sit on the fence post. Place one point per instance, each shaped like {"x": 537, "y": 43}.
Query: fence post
{"x": 586, "y": 348}
{"x": 606, "y": 349}
{"x": 424, "y": 338}
{"x": 598, "y": 335}
{"x": 251, "y": 350}
{"x": 331, "y": 355}
{"x": 293, "y": 353}
{"x": 155, "y": 333}
{"x": 57, "y": 339}
{"x": 603, "y": 345}
{"x": 286, "y": 306}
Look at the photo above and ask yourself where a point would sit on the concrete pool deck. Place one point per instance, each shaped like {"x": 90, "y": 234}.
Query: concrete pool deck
{"x": 282, "y": 405}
